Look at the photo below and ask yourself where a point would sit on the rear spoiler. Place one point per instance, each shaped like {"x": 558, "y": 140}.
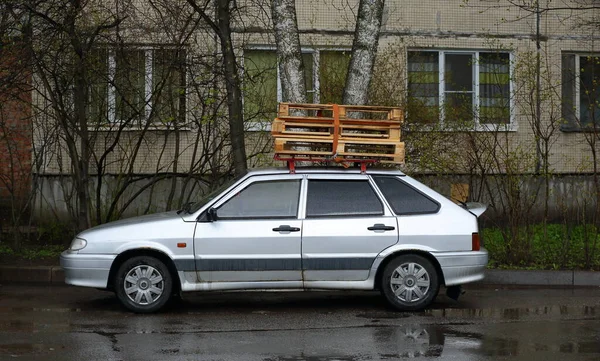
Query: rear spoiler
{"x": 475, "y": 208}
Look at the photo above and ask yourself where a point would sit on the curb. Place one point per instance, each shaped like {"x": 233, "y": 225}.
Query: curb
{"x": 49, "y": 275}
{"x": 54, "y": 275}
{"x": 542, "y": 278}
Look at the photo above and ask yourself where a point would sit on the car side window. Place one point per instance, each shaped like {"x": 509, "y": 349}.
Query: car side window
{"x": 331, "y": 198}
{"x": 403, "y": 198}
{"x": 268, "y": 199}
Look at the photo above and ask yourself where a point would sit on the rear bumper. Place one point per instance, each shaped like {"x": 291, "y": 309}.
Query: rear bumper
{"x": 462, "y": 267}
{"x": 87, "y": 270}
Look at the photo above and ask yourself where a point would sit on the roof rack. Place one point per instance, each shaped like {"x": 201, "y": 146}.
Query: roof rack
{"x": 291, "y": 161}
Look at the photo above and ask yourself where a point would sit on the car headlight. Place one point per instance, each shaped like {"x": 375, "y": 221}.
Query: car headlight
{"x": 77, "y": 244}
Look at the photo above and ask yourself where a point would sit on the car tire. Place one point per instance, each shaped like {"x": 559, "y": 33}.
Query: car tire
{"x": 143, "y": 284}
{"x": 410, "y": 282}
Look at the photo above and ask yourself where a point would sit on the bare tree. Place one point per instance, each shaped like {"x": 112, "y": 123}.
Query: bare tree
{"x": 222, "y": 27}
{"x": 15, "y": 124}
{"x": 65, "y": 41}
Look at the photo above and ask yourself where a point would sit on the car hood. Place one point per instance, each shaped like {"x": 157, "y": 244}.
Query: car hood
{"x": 476, "y": 208}
{"x": 132, "y": 224}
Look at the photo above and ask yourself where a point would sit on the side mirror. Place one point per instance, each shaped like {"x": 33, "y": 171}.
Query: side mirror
{"x": 211, "y": 214}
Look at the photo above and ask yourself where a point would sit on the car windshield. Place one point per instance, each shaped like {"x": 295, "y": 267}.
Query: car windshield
{"x": 195, "y": 206}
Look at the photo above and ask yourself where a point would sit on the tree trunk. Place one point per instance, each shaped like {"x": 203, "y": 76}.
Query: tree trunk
{"x": 289, "y": 53}
{"x": 234, "y": 91}
{"x": 81, "y": 174}
{"x": 364, "y": 50}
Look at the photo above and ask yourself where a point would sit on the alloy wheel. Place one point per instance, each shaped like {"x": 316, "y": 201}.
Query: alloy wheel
{"x": 143, "y": 285}
{"x": 410, "y": 282}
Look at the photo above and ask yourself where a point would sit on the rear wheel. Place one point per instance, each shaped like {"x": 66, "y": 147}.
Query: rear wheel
{"x": 410, "y": 282}
{"x": 143, "y": 284}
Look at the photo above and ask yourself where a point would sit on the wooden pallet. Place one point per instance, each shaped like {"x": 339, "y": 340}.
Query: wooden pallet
{"x": 389, "y": 151}
{"x": 339, "y": 131}
{"x": 289, "y": 110}
{"x": 292, "y": 126}
{"x": 350, "y": 129}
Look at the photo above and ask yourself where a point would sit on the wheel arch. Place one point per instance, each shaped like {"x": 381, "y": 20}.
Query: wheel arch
{"x": 151, "y": 252}
{"x": 398, "y": 253}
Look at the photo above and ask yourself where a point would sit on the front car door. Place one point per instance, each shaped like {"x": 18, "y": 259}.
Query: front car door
{"x": 256, "y": 238}
{"x": 346, "y": 226}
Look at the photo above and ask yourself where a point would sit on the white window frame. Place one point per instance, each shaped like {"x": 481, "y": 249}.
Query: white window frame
{"x": 577, "y": 81}
{"x": 511, "y": 126}
{"x": 148, "y": 84}
{"x": 316, "y": 61}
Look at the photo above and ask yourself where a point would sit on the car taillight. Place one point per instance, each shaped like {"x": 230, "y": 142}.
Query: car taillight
{"x": 476, "y": 242}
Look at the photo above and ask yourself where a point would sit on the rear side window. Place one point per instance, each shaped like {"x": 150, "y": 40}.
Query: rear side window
{"x": 403, "y": 198}
{"x": 331, "y": 198}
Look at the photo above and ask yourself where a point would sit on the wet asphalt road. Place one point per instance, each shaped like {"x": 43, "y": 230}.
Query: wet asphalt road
{"x": 64, "y": 323}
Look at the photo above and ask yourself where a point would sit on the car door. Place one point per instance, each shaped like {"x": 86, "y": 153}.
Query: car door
{"x": 256, "y": 236}
{"x": 346, "y": 226}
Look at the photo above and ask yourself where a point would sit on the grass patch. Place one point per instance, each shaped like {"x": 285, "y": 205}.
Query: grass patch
{"x": 551, "y": 247}
{"x": 31, "y": 253}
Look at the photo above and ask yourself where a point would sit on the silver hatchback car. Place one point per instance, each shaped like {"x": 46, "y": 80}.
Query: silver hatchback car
{"x": 272, "y": 229}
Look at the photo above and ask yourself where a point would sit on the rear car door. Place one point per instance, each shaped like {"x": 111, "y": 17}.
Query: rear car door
{"x": 346, "y": 226}
{"x": 257, "y": 235}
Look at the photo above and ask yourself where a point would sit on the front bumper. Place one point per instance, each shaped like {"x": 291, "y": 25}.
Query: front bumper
{"x": 87, "y": 270}
{"x": 462, "y": 267}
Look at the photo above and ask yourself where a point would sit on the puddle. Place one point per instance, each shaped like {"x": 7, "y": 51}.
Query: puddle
{"x": 17, "y": 349}
{"x": 516, "y": 313}
{"x": 491, "y": 313}
{"x": 385, "y": 316}
{"x": 33, "y": 327}
{"x": 35, "y": 309}
{"x": 410, "y": 341}
{"x": 513, "y": 339}
{"x": 314, "y": 358}
{"x": 18, "y": 326}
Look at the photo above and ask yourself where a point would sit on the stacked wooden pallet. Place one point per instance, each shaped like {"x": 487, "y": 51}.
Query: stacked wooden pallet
{"x": 338, "y": 132}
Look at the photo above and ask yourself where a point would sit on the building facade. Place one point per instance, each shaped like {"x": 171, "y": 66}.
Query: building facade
{"x": 500, "y": 95}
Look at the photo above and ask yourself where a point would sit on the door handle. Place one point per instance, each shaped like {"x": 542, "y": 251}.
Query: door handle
{"x": 286, "y": 228}
{"x": 381, "y": 227}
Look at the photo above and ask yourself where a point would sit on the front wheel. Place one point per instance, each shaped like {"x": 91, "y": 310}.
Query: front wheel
{"x": 143, "y": 284}
{"x": 410, "y": 282}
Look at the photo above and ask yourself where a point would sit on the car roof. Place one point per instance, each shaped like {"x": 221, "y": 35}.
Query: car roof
{"x": 324, "y": 170}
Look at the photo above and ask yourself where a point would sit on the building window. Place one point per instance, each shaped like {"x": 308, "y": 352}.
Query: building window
{"x": 459, "y": 88}
{"x": 580, "y": 91}
{"x": 325, "y": 76}
{"x": 136, "y": 85}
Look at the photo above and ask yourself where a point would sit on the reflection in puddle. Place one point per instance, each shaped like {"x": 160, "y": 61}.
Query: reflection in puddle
{"x": 462, "y": 334}
{"x": 411, "y": 341}
{"x": 516, "y": 313}
{"x": 492, "y": 340}
{"x": 519, "y": 338}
